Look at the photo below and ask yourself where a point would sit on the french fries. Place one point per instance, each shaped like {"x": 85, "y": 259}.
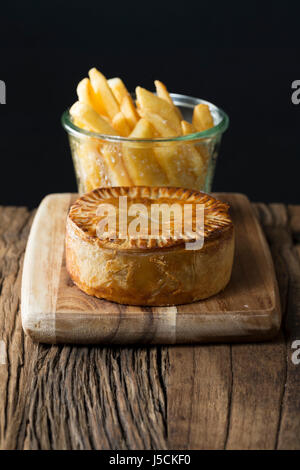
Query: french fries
{"x": 106, "y": 107}
{"x": 202, "y": 118}
{"x": 111, "y": 100}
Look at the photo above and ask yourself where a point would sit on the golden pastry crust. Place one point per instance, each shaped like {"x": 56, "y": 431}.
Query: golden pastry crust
{"x": 149, "y": 271}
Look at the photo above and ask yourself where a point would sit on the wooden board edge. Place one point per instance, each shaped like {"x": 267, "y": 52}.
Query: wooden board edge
{"x": 40, "y": 287}
{"x": 274, "y": 312}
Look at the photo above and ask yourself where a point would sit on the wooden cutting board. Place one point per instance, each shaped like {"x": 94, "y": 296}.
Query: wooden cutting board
{"x": 54, "y": 310}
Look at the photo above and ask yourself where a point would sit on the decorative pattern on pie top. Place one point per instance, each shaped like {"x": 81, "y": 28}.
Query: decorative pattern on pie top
{"x": 84, "y": 218}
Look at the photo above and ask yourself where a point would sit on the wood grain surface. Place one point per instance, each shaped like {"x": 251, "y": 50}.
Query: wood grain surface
{"x": 54, "y": 310}
{"x": 190, "y": 397}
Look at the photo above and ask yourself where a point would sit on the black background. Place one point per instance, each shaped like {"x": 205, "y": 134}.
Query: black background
{"x": 242, "y": 57}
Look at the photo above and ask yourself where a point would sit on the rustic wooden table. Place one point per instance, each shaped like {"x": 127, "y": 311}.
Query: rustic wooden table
{"x": 239, "y": 396}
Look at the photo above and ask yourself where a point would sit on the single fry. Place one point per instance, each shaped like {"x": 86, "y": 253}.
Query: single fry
{"x": 84, "y": 92}
{"x": 187, "y": 128}
{"x": 125, "y": 101}
{"x": 121, "y": 125}
{"x": 88, "y": 164}
{"x": 196, "y": 168}
{"x": 181, "y": 163}
{"x": 143, "y": 130}
{"x": 118, "y": 88}
{"x": 116, "y": 170}
{"x": 86, "y": 95}
{"x": 140, "y": 160}
{"x": 202, "y": 118}
{"x": 129, "y": 110}
{"x": 163, "y": 93}
{"x": 103, "y": 94}
{"x": 160, "y": 125}
{"x": 85, "y": 116}
{"x": 150, "y": 103}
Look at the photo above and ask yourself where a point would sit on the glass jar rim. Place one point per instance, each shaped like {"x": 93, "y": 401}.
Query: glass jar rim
{"x": 184, "y": 100}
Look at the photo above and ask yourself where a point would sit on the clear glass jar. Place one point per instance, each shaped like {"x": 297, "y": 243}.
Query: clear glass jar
{"x": 186, "y": 161}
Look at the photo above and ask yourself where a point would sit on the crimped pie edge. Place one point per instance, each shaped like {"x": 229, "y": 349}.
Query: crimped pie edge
{"x": 218, "y": 212}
